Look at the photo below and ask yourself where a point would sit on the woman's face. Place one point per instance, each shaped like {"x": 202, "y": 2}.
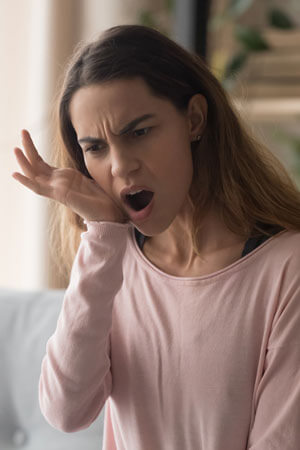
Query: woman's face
{"x": 130, "y": 137}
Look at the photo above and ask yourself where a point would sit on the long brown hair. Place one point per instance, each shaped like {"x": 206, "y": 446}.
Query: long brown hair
{"x": 231, "y": 169}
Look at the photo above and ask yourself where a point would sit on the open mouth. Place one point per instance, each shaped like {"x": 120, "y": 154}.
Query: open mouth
{"x": 140, "y": 200}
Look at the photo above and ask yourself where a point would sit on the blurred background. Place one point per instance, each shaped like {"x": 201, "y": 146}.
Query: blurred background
{"x": 252, "y": 46}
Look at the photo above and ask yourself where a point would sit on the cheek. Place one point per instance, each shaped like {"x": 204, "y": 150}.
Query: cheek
{"x": 173, "y": 156}
{"x": 180, "y": 141}
{"x": 180, "y": 153}
{"x": 97, "y": 172}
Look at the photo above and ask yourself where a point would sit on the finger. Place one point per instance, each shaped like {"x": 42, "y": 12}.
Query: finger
{"x": 32, "y": 153}
{"x": 29, "y": 147}
{"x": 24, "y": 163}
{"x": 27, "y": 182}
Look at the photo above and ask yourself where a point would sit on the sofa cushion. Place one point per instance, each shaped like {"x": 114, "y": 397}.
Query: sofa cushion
{"x": 27, "y": 320}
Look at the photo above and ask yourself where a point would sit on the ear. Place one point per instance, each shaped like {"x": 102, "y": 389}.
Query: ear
{"x": 197, "y": 115}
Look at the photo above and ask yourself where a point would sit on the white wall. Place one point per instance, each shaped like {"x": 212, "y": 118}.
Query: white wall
{"x": 36, "y": 38}
{"x": 20, "y": 237}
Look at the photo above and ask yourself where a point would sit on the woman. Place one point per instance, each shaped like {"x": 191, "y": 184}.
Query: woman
{"x": 182, "y": 313}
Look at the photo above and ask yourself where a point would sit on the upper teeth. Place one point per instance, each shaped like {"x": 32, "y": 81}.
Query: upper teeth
{"x": 134, "y": 192}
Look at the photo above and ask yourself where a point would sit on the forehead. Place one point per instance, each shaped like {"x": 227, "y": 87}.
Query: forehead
{"x": 114, "y": 99}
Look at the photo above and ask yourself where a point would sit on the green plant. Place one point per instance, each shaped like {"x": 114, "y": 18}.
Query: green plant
{"x": 250, "y": 39}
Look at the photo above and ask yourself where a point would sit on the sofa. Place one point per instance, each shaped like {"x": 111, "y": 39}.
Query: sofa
{"x": 27, "y": 320}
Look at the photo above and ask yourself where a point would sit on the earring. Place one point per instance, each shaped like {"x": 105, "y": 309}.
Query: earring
{"x": 197, "y": 138}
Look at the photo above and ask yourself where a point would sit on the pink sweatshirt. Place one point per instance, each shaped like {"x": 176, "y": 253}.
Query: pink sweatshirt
{"x": 200, "y": 363}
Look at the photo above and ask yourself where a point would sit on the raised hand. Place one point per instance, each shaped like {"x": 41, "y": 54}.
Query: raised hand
{"x": 67, "y": 186}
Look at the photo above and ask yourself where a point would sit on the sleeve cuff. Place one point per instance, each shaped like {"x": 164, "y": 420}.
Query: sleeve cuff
{"x": 102, "y": 228}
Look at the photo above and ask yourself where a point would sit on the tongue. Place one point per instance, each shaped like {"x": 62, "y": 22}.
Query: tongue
{"x": 141, "y": 200}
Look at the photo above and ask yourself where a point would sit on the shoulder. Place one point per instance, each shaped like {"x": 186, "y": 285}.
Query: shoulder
{"x": 283, "y": 254}
{"x": 287, "y": 243}
{"x": 277, "y": 256}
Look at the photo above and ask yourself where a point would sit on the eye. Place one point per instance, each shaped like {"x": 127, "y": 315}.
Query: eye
{"x": 141, "y": 132}
{"x": 94, "y": 148}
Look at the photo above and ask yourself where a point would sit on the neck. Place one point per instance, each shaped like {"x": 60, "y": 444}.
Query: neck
{"x": 214, "y": 240}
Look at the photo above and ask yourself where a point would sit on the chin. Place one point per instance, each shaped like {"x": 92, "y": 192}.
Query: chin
{"x": 153, "y": 228}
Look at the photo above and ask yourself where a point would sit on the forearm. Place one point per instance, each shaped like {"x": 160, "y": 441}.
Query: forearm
{"x": 75, "y": 376}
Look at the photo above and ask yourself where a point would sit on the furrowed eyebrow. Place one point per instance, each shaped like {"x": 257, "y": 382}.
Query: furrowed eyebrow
{"x": 91, "y": 140}
{"x": 130, "y": 126}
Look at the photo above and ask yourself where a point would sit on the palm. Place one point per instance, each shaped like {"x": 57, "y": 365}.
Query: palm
{"x": 68, "y": 186}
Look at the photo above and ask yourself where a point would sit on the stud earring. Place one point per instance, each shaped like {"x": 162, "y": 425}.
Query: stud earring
{"x": 197, "y": 138}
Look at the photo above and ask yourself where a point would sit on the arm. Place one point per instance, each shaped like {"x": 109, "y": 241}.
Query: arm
{"x": 276, "y": 424}
{"x": 75, "y": 378}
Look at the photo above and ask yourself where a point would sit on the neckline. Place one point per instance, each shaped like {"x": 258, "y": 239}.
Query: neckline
{"x": 237, "y": 265}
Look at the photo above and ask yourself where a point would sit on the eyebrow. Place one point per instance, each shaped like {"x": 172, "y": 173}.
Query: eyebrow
{"x": 130, "y": 126}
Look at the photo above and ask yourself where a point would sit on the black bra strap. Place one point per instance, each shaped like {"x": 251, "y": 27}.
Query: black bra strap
{"x": 254, "y": 242}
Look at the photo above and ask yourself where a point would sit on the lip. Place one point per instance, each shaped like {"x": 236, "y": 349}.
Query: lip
{"x": 140, "y": 216}
{"x": 129, "y": 189}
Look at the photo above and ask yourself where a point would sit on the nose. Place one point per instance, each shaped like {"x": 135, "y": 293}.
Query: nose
{"x": 122, "y": 164}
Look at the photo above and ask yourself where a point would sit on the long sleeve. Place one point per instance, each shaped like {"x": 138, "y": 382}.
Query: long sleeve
{"x": 277, "y": 417}
{"x": 75, "y": 378}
